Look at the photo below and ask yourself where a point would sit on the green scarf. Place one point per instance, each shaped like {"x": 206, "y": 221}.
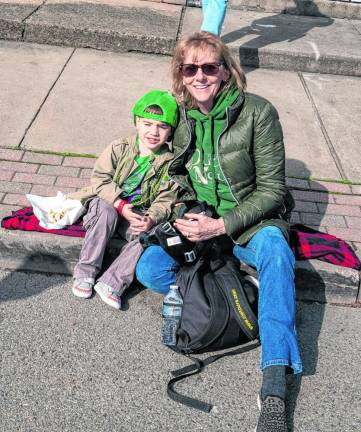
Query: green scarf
{"x": 204, "y": 170}
{"x": 137, "y": 191}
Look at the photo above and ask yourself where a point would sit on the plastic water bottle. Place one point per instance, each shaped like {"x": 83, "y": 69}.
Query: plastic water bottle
{"x": 172, "y": 313}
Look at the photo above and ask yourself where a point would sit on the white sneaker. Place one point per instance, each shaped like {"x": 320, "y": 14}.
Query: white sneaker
{"x": 83, "y": 287}
{"x": 108, "y": 295}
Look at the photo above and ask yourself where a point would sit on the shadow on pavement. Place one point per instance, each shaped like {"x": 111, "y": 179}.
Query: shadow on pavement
{"x": 272, "y": 29}
{"x": 15, "y": 287}
{"x": 309, "y": 317}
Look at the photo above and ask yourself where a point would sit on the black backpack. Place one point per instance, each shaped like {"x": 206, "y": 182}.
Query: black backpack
{"x": 219, "y": 311}
{"x": 176, "y": 245}
{"x": 220, "y": 301}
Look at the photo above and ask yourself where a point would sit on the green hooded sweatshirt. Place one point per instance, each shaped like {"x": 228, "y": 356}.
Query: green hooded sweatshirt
{"x": 205, "y": 174}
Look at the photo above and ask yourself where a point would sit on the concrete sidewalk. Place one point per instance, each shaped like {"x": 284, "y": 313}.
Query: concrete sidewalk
{"x": 71, "y": 365}
{"x": 261, "y": 38}
{"x": 55, "y": 124}
{"x": 61, "y": 105}
{"x": 331, "y": 207}
{"x": 58, "y": 99}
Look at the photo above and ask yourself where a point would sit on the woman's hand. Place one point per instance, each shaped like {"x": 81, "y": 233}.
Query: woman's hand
{"x": 197, "y": 227}
{"x": 145, "y": 224}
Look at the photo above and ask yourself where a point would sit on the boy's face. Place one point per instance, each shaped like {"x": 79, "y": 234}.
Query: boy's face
{"x": 152, "y": 134}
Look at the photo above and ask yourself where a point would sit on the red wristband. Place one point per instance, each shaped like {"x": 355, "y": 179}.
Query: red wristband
{"x": 120, "y": 206}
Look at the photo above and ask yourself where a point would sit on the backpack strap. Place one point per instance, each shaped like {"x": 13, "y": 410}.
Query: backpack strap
{"x": 195, "y": 369}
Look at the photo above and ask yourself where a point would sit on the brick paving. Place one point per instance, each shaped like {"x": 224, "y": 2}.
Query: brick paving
{"x": 328, "y": 206}
{"x": 24, "y": 172}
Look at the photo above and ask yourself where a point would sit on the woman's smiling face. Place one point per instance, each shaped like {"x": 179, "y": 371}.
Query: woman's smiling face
{"x": 204, "y": 88}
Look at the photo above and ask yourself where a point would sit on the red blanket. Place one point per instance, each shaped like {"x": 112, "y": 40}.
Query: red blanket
{"x": 308, "y": 243}
{"x": 25, "y": 220}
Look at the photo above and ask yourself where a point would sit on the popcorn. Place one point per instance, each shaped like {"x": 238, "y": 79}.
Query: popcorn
{"x": 55, "y": 212}
{"x": 56, "y": 216}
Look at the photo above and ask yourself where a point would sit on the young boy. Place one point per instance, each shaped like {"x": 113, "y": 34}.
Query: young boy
{"x": 130, "y": 191}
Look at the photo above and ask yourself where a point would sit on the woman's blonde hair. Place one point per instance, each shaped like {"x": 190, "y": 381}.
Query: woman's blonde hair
{"x": 203, "y": 41}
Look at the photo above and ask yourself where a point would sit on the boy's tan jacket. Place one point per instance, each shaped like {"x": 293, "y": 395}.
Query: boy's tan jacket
{"x": 115, "y": 164}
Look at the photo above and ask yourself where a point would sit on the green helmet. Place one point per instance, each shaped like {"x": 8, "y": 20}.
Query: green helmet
{"x": 164, "y": 100}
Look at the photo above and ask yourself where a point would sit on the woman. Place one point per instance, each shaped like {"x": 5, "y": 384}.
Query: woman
{"x": 229, "y": 152}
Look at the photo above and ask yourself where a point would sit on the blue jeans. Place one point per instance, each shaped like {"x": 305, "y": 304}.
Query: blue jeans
{"x": 214, "y": 12}
{"x": 270, "y": 254}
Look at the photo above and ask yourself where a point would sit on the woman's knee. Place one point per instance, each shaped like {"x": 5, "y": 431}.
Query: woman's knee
{"x": 274, "y": 248}
{"x": 156, "y": 269}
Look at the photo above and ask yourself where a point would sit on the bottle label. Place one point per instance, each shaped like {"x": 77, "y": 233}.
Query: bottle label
{"x": 169, "y": 332}
{"x": 171, "y": 311}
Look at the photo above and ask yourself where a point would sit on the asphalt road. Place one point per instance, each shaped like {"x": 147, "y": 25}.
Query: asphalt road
{"x": 77, "y": 365}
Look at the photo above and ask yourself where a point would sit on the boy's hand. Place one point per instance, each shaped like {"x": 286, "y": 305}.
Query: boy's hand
{"x": 142, "y": 225}
{"x": 129, "y": 215}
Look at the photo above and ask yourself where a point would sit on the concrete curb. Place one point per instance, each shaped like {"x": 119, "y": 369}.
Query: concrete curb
{"x": 317, "y": 8}
{"x": 156, "y": 31}
{"x": 48, "y": 253}
{"x": 42, "y": 252}
{"x": 91, "y": 25}
{"x": 268, "y": 58}
{"x": 328, "y": 8}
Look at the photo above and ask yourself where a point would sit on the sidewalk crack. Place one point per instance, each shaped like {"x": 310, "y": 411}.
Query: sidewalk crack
{"x": 28, "y": 16}
{"x": 180, "y": 26}
{"x": 45, "y": 99}
{"x": 35, "y": 10}
{"x": 330, "y": 146}
{"x": 356, "y": 28}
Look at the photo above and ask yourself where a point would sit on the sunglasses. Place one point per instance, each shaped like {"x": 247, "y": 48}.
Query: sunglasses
{"x": 210, "y": 69}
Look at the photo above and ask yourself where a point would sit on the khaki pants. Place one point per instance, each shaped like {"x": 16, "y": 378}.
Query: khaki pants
{"x": 101, "y": 222}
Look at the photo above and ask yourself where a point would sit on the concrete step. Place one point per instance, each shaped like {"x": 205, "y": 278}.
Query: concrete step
{"x": 279, "y": 41}
{"x": 319, "y": 8}
{"x": 327, "y": 8}
{"x": 48, "y": 253}
{"x": 107, "y": 25}
{"x": 286, "y": 42}
{"x": 42, "y": 252}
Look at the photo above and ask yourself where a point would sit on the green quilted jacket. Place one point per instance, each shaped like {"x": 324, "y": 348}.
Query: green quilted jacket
{"x": 252, "y": 157}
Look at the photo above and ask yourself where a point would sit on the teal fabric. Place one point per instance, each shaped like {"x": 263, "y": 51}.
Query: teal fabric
{"x": 214, "y": 12}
